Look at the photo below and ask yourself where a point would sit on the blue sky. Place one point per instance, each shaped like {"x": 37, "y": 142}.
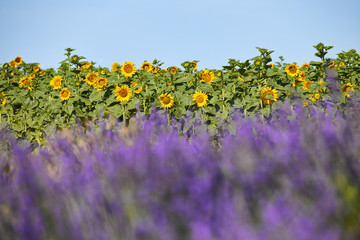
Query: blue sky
{"x": 107, "y": 31}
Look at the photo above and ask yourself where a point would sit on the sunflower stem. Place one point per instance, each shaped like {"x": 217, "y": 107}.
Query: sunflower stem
{"x": 124, "y": 120}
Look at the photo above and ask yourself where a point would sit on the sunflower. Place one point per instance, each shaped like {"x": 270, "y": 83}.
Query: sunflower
{"x": 292, "y": 70}
{"x": 305, "y": 65}
{"x": 101, "y": 82}
{"x": 115, "y": 66}
{"x": 301, "y": 76}
{"x": 91, "y": 78}
{"x": 86, "y": 65}
{"x": 128, "y": 69}
{"x": 166, "y": 100}
{"x": 103, "y": 72}
{"x": 36, "y": 68}
{"x": 173, "y": 70}
{"x": 3, "y": 99}
{"x": 341, "y": 64}
{"x": 138, "y": 90}
{"x": 271, "y": 65}
{"x": 56, "y": 82}
{"x": 146, "y": 66}
{"x": 25, "y": 81}
{"x": 200, "y": 98}
{"x": 65, "y": 94}
{"x": 123, "y": 93}
{"x": 194, "y": 65}
{"x": 346, "y": 88}
{"x": 12, "y": 63}
{"x": 18, "y": 60}
{"x": 306, "y": 84}
{"x": 269, "y": 96}
{"x": 207, "y": 76}
{"x": 155, "y": 70}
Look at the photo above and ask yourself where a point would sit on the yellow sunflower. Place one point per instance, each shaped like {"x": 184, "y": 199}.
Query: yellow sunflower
{"x": 123, "y": 93}
{"x": 347, "y": 88}
{"x": 56, "y": 82}
{"x": 207, "y": 76}
{"x": 200, "y": 98}
{"x": 91, "y": 78}
{"x": 301, "y": 76}
{"x": 292, "y": 70}
{"x": 65, "y": 94}
{"x": 173, "y": 70}
{"x": 155, "y": 70}
{"x": 12, "y": 63}
{"x": 18, "y": 60}
{"x": 305, "y": 65}
{"x": 115, "y": 66}
{"x": 3, "y": 99}
{"x": 269, "y": 96}
{"x": 36, "y": 68}
{"x": 24, "y": 82}
{"x": 138, "y": 90}
{"x": 166, "y": 100}
{"x": 194, "y": 65}
{"x": 101, "y": 82}
{"x": 341, "y": 64}
{"x": 128, "y": 69}
{"x": 86, "y": 65}
{"x": 271, "y": 65}
{"x": 306, "y": 84}
{"x": 146, "y": 66}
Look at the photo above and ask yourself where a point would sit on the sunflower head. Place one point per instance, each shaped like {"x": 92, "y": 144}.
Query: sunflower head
{"x": 101, "y": 82}
{"x": 2, "y": 99}
{"x": 207, "y": 76}
{"x": 86, "y": 65}
{"x": 347, "y": 88}
{"x": 18, "y": 60}
{"x": 305, "y": 65}
{"x": 91, "y": 78}
{"x": 271, "y": 65}
{"x": 128, "y": 69}
{"x": 200, "y": 98}
{"x": 25, "y": 82}
{"x": 306, "y": 84}
{"x": 155, "y": 69}
{"x": 12, "y": 63}
{"x": 166, "y": 100}
{"x": 146, "y": 66}
{"x": 301, "y": 76}
{"x": 115, "y": 67}
{"x": 269, "y": 96}
{"x": 122, "y": 93}
{"x": 36, "y": 68}
{"x": 292, "y": 70}
{"x": 341, "y": 64}
{"x": 65, "y": 94}
{"x": 56, "y": 82}
{"x": 194, "y": 65}
{"x": 173, "y": 70}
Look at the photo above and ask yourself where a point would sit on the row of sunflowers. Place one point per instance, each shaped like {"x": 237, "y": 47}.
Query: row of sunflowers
{"x": 34, "y": 100}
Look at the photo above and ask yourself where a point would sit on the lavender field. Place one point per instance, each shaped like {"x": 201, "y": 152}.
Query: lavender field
{"x": 294, "y": 175}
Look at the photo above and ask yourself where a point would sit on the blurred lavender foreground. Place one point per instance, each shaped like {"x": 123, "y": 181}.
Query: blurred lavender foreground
{"x": 294, "y": 176}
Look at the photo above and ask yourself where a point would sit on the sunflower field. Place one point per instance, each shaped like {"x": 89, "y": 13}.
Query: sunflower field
{"x": 35, "y": 100}
{"x": 257, "y": 150}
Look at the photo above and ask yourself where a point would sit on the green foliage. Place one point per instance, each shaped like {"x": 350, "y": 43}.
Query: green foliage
{"x": 31, "y": 106}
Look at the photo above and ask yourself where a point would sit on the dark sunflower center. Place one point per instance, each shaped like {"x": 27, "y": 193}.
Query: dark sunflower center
{"x": 123, "y": 93}
{"x": 166, "y": 100}
{"x": 292, "y": 69}
{"x": 128, "y": 69}
{"x": 146, "y": 67}
{"x": 207, "y": 77}
{"x": 200, "y": 98}
{"x": 65, "y": 93}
